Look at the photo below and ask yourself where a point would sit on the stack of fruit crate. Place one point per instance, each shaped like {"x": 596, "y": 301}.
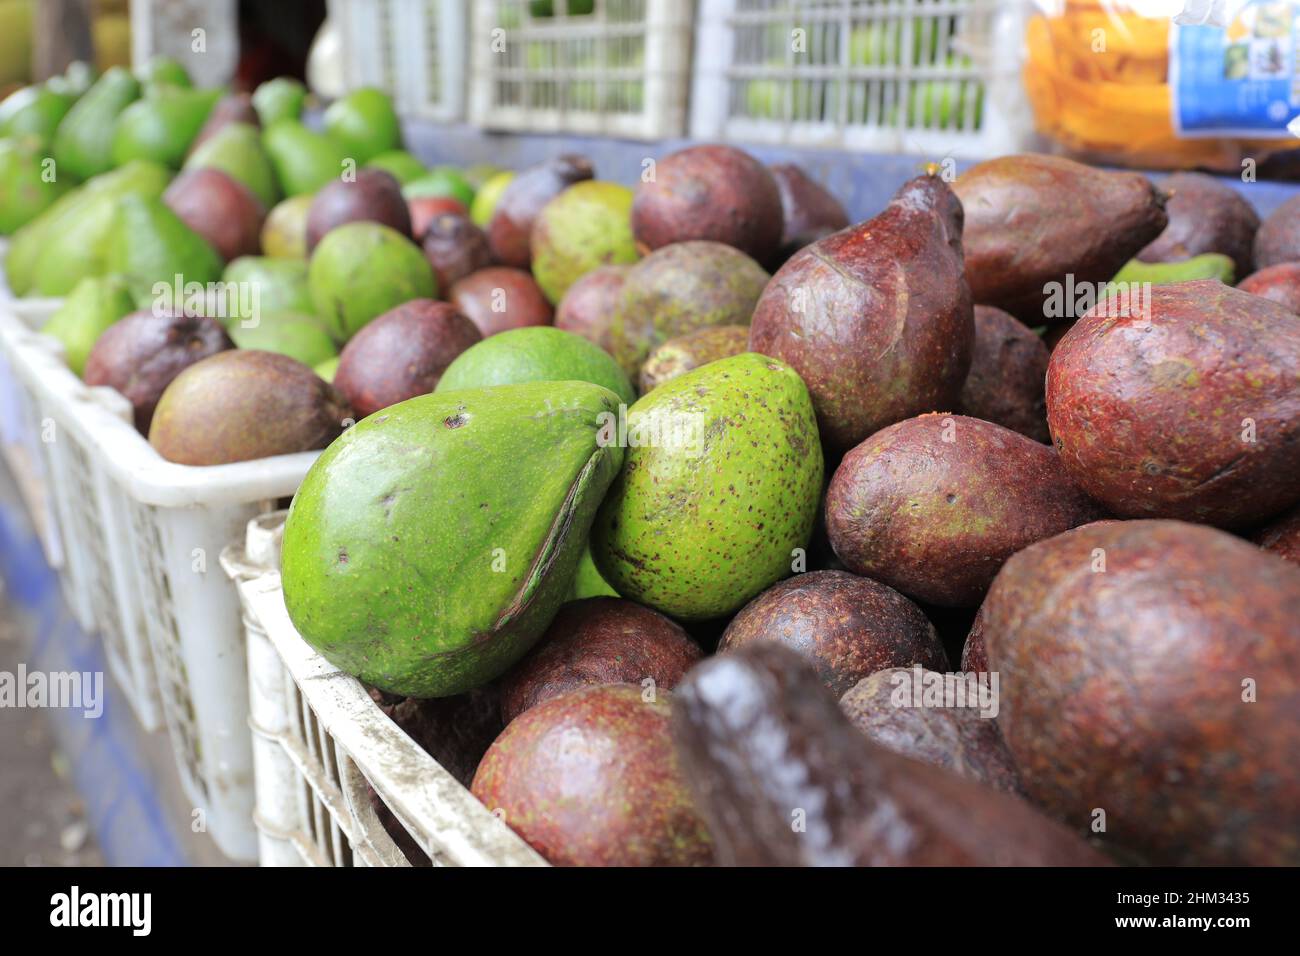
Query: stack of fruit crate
{"x": 614, "y": 67}
{"x": 935, "y": 77}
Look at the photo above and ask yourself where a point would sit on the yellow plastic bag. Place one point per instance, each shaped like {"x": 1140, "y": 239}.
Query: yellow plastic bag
{"x": 1097, "y": 78}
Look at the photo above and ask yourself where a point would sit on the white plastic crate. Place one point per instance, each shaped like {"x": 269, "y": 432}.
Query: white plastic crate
{"x": 141, "y": 540}
{"x": 320, "y": 744}
{"x": 414, "y": 50}
{"x": 609, "y": 67}
{"x": 34, "y": 312}
{"x": 20, "y": 437}
{"x": 934, "y": 77}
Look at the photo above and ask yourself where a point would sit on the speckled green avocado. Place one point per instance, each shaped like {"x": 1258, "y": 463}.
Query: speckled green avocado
{"x": 724, "y": 486}
{"x": 429, "y": 547}
{"x": 585, "y": 227}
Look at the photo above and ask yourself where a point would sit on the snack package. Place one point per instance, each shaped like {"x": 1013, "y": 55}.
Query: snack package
{"x": 1166, "y": 83}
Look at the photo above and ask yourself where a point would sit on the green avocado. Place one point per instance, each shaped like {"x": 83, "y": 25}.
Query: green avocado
{"x": 588, "y": 583}
{"x": 154, "y": 250}
{"x": 267, "y": 286}
{"x": 83, "y": 142}
{"x": 361, "y": 270}
{"x": 304, "y": 159}
{"x": 429, "y": 547}
{"x": 236, "y": 150}
{"x": 399, "y": 164}
{"x": 288, "y": 333}
{"x": 161, "y": 126}
{"x": 720, "y": 485}
{"x": 364, "y": 124}
{"x": 539, "y": 353}
{"x": 587, "y": 226}
{"x": 89, "y": 309}
{"x": 34, "y": 111}
{"x": 1208, "y": 265}
{"x": 27, "y": 186}
{"x": 70, "y": 239}
{"x": 277, "y": 99}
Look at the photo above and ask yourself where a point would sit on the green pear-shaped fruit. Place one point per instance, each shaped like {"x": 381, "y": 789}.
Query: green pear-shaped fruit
{"x": 364, "y": 124}
{"x": 27, "y": 185}
{"x": 404, "y": 572}
{"x": 69, "y": 241}
{"x": 236, "y": 149}
{"x": 1208, "y": 265}
{"x": 269, "y": 286}
{"x": 89, "y": 309}
{"x": 288, "y": 333}
{"x": 719, "y": 490}
{"x": 445, "y": 181}
{"x": 327, "y": 368}
{"x": 304, "y": 159}
{"x": 284, "y": 234}
{"x": 161, "y": 126}
{"x": 165, "y": 71}
{"x": 277, "y": 99}
{"x": 588, "y": 583}
{"x": 485, "y": 200}
{"x": 150, "y": 246}
{"x": 34, "y": 111}
{"x": 400, "y": 164}
{"x": 362, "y": 269}
{"x": 585, "y": 227}
{"x": 539, "y": 353}
{"x": 83, "y": 143}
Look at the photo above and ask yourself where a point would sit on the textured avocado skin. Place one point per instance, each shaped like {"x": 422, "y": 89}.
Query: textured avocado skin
{"x": 430, "y": 546}
{"x": 696, "y": 533}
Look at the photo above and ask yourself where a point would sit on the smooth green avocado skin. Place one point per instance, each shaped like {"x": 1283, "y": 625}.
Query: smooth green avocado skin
{"x": 538, "y": 353}
{"x": 695, "y": 530}
{"x": 431, "y": 544}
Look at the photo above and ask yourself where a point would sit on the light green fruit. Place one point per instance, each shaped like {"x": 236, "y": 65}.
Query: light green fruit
{"x": 485, "y": 200}
{"x": 362, "y": 269}
{"x": 327, "y": 368}
{"x": 588, "y": 583}
{"x": 34, "y": 111}
{"x": 875, "y": 44}
{"x": 83, "y": 143}
{"x": 236, "y": 149}
{"x": 284, "y": 234}
{"x": 400, "y": 164}
{"x": 150, "y": 245}
{"x": 162, "y": 126}
{"x": 1208, "y": 265}
{"x": 90, "y": 308}
{"x": 26, "y": 187}
{"x": 718, "y": 491}
{"x": 441, "y": 181}
{"x": 165, "y": 71}
{"x": 288, "y": 333}
{"x": 267, "y": 286}
{"x": 71, "y": 239}
{"x": 941, "y": 104}
{"x": 402, "y": 572}
{"x": 538, "y": 353}
{"x": 364, "y": 124}
{"x": 479, "y": 173}
{"x": 585, "y": 227}
{"x": 304, "y": 160}
{"x": 277, "y": 99}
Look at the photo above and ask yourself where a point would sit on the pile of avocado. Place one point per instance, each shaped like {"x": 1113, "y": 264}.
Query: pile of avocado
{"x": 640, "y": 508}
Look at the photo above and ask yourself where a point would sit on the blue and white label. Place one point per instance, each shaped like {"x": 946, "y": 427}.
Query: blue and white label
{"x": 1235, "y": 74}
